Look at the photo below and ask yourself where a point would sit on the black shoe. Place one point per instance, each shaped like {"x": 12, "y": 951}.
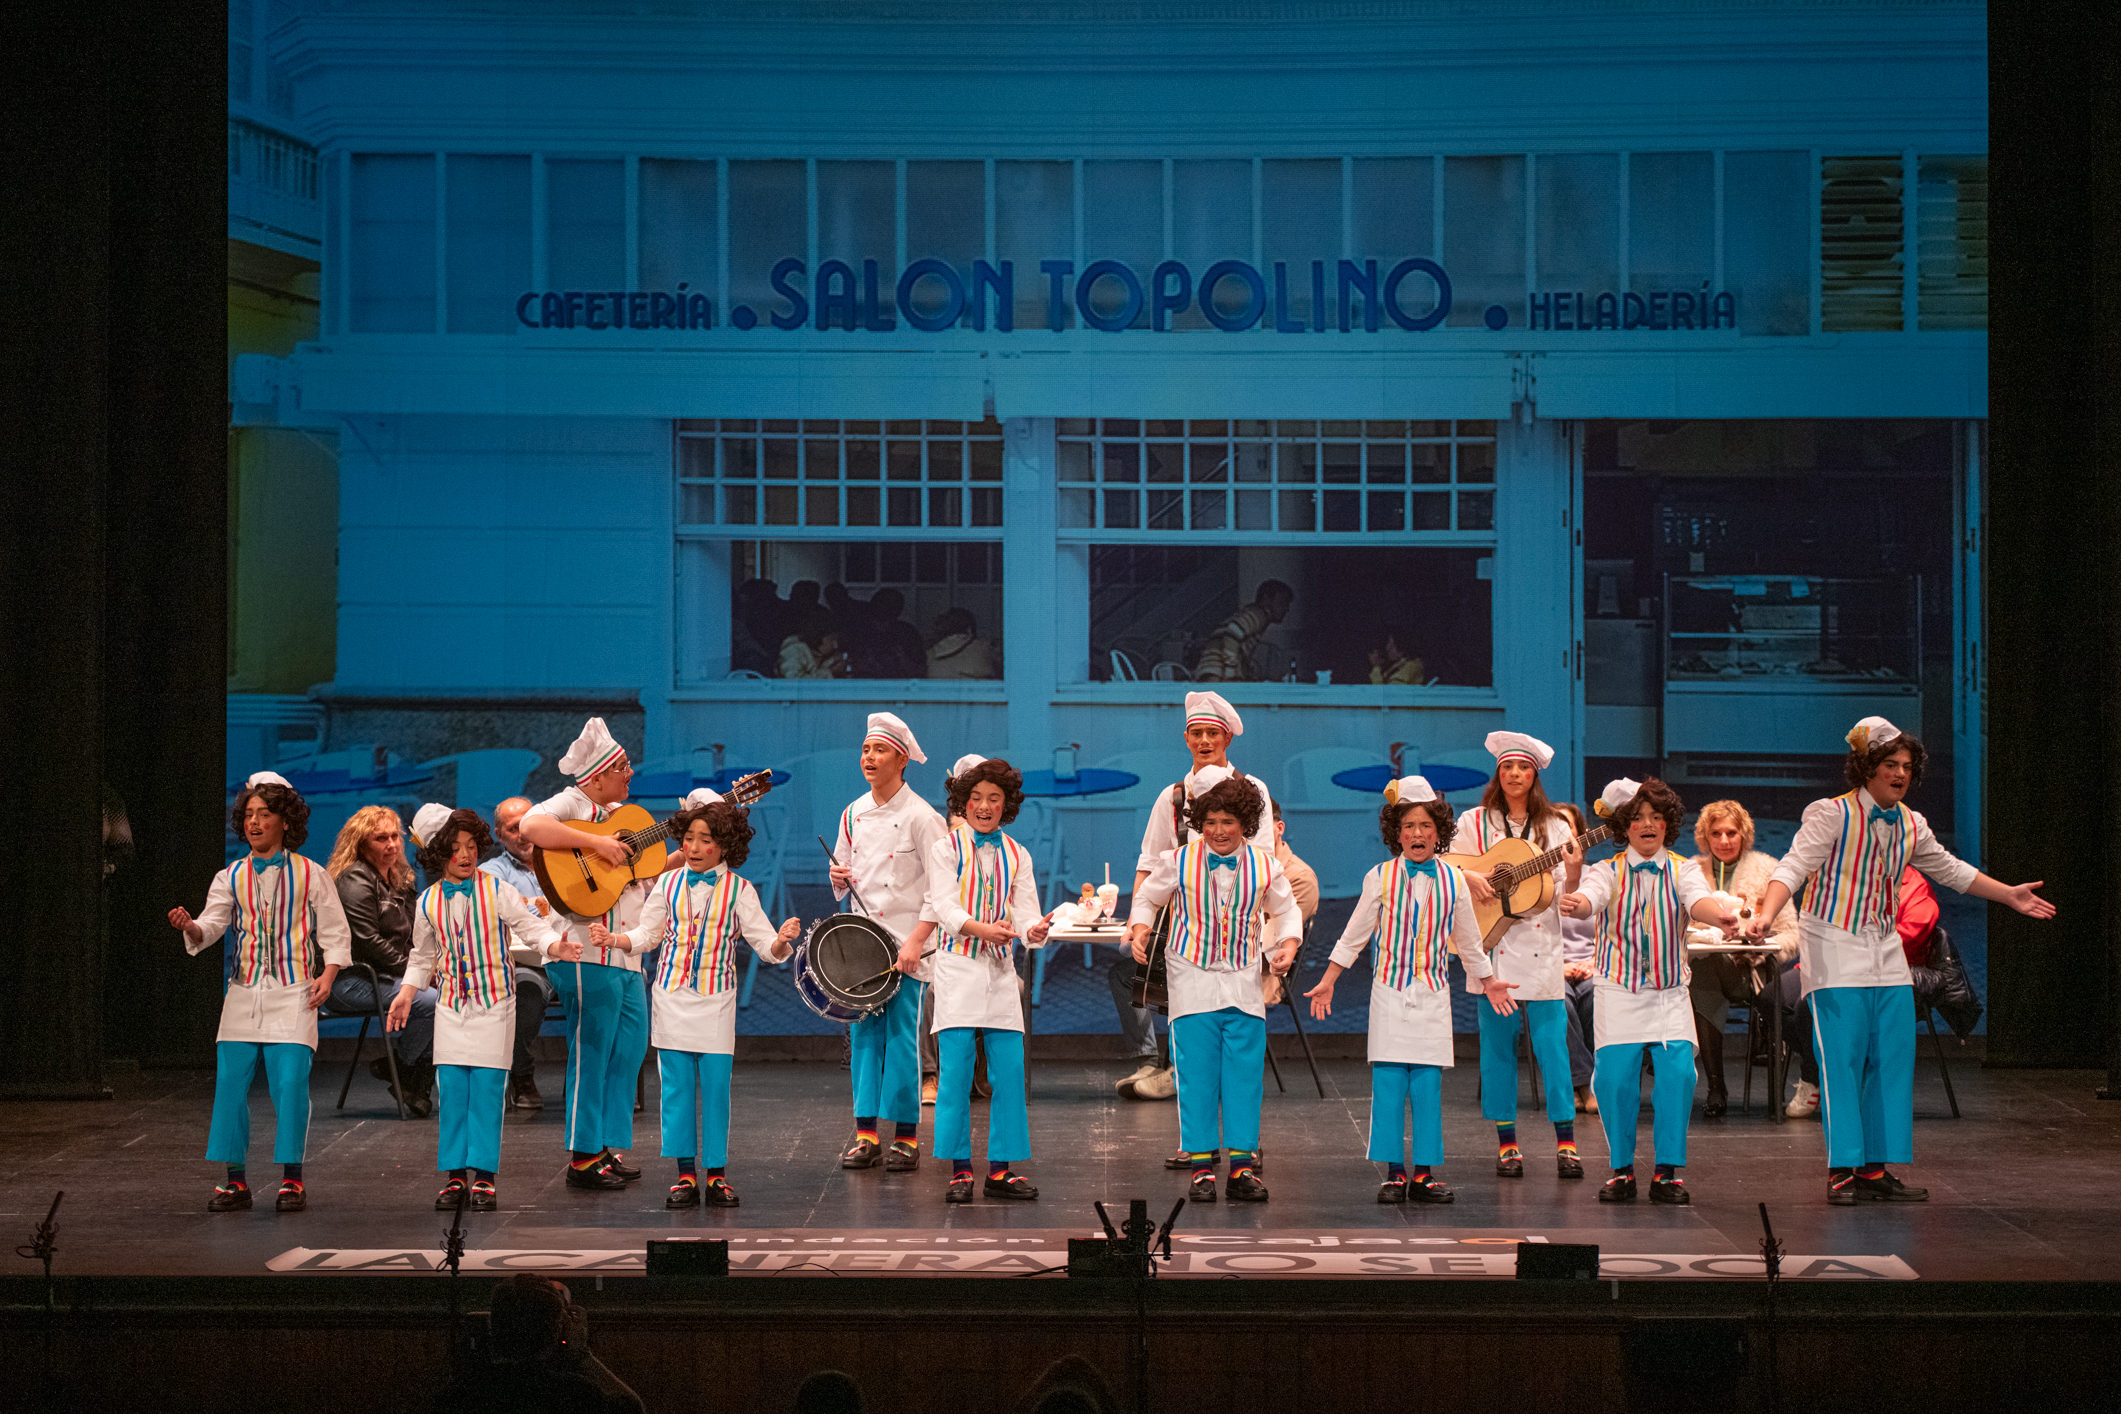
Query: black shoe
{"x": 1202, "y": 1189}
{"x": 718, "y": 1194}
{"x": 685, "y": 1193}
{"x": 1841, "y": 1192}
{"x": 904, "y": 1156}
{"x": 960, "y": 1189}
{"x": 1393, "y": 1190}
{"x": 614, "y": 1164}
{"x": 229, "y": 1198}
{"x": 483, "y": 1198}
{"x": 1670, "y": 1190}
{"x": 523, "y": 1094}
{"x": 1619, "y": 1189}
{"x": 1183, "y": 1161}
{"x": 1568, "y": 1165}
{"x": 293, "y": 1197}
{"x": 1716, "y": 1106}
{"x": 598, "y": 1178}
{"x": 1510, "y": 1167}
{"x": 1013, "y": 1185}
{"x": 446, "y": 1200}
{"x": 1887, "y": 1189}
{"x": 1246, "y": 1188}
{"x": 1430, "y": 1190}
{"x": 866, "y": 1154}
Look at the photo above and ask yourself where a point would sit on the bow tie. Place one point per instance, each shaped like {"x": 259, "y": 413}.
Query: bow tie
{"x": 1652, "y": 867}
{"x": 694, "y": 876}
{"x": 456, "y": 888}
{"x": 1222, "y": 861}
{"x": 1421, "y": 866}
{"x": 277, "y": 861}
{"x": 987, "y": 839}
{"x": 1880, "y": 812}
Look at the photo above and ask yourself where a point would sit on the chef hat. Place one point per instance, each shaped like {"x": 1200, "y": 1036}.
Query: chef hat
{"x": 702, "y": 796}
{"x": 1409, "y": 790}
{"x": 1207, "y": 778}
{"x": 592, "y": 751}
{"x": 1871, "y": 732}
{"x": 1209, "y": 707}
{"x": 1504, "y": 746}
{"x": 427, "y": 822}
{"x": 966, "y": 763}
{"x": 888, "y": 729}
{"x": 268, "y": 778}
{"x": 1616, "y": 796}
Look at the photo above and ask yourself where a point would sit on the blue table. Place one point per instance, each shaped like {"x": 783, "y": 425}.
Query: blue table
{"x": 682, "y": 783}
{"x": 1371, "y": 780}
{"x": 1090, "y": 780}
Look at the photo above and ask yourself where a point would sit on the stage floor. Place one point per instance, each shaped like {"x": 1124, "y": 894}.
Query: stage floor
{"x": 2021, "y": 1188}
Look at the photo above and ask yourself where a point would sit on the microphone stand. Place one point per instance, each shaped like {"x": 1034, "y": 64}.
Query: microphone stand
{"x": 40, "y": 1248}
{"x": 1771, "y": 1258}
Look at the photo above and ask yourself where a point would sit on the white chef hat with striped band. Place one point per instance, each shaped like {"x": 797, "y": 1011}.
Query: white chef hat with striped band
{"x": 1516, "y": 746}
{"x": 593, "y": 751}
{"x": 888, "y": 729}
{"x": 1210, "y": 707}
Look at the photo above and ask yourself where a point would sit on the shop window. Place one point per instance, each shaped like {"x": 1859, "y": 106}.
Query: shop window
{"x": 856, "y": 223}
{"x": 1123, "y": 220}
{"x": 946, "y": 218}
{"x": 1211, "y": 220}
{"x": 1671, "y": 221}
{"x": 391, "y": 255}
{"x": 1952, "y": 212}
{"x": 866, "y": 609}
{"x": 1299, "y": 212}
{"x": 1393, "y": 206}
{"x": 1275, "y": 478}
{"x": 768, "y": 223}
{"x": 1860, "y": 244}
{"x": 912, "y": 474}
{"x": 1483, "y": 241}
{"x": 1767, "y": 246}
{"x": 489, "y": 241}
{"x": 679, "y": 229}
{"x": 1034, "y": 220}
{"x": 1578, "y": 205}
{"x": 1208, "y": 613}
{"x": 585, "y": 224}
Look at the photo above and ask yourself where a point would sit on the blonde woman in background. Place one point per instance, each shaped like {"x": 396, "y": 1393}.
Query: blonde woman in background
{"x": 1723, "y": 832}
{"x": 377, "y": 889}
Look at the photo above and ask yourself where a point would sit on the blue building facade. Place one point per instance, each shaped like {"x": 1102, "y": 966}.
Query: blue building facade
{"x": 1615, "y": 374}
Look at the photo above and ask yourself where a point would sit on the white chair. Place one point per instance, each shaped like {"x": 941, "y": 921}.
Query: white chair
{"x": 1168, "y": 671}
{"x": 1123, "y": 669}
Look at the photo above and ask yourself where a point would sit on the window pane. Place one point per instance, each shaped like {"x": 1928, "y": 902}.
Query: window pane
{"x": 905, "y": 505}
{"x": 780, "y": 505}
{"x": 902, "y": 461}
{"x": 856, "y": 221}
{"x": 678, "y": 233}
{"x": 1166, "y": 510}
{"x": 1075, "y": 510}
{"x": 585, "y": 224}
{"x": 1208, "y": 510}
{"x": 1122, "y": 461}
{"x": 1123, "y": 218}
{"x": 862, "y": 463}
{"x": 821, "y": 505}
{"x": 1388, "y": 510}
{"x": 1483, "y": 236}
{"x": 1034, "y": 220}
{"x": 1208, "y": 461}
{"x": 1860, "y": 244}
{"x": 1166, "y": 461}
{"x": 1476, "y": 461}
{"x": 696, "y": 505}
{"x": 767, "y": 224}
{"x": 1953, "y": 234}
{"x": 780, "y": 458}
{"x": 1072, "y": 461}
{"x": 1385, "y": 463}
{"x": 946, "y": 218}
{"x": 1476, "y": 510}
{"x": 1432, "y": 461}
{"x": 1299, "y": 510}
{"x": 1255, "y": 510}
{"x": 862, "y": 502}
{"x": 740, "y": 505}
{"x": 1296, "y": 461}
{"x": 1252, "y": 461}
{"x": 1767, "y": 246}
{"x": 986, "y": 506}
{"x": 986, "y": 459}
{"x": 1343, "y": 461}
{"x": 1123, "y": 510}
{"x": 1579, "y": 221}
{"x": 1343, "y": 511}
{"x": 1211, "y": 220}
{"x": 946, "y": 506}
{"x": 1671, "y": 221}
{"x": 489, "y": 242}
{"x": 1431, "y": 512}
{"x": 1394, "y": 201}
{"x": 821, "y": 460}
{"x": 946, "y": 461}
{"x": 1299, "y": 213}
{"x": 392, "y": 250}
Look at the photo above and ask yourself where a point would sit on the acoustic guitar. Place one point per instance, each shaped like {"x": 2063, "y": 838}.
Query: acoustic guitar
{"x": 582, "y": 884}
{"x": 1523, "y": 880}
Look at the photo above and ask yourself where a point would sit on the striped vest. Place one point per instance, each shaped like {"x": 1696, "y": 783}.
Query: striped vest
{"x": 983, "y": 888}
{"x": 1857, "y": 886}
{"x": 1207, "y": 932}
{"x": 1413, "y": 943}
{"x": 475, "y": 969}
{"x": 699, "y": 951}
{"x": 1642, "y": 931}
{"x": 274, "y": 937}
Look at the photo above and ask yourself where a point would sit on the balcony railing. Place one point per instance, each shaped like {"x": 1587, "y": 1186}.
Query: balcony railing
{"x": 273, "y": 183}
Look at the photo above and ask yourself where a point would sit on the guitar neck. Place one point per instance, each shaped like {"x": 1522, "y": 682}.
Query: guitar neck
{"x": 1540, "y": 863}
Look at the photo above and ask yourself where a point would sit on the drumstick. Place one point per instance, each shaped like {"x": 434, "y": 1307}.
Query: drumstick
{"x": 852, "y": 892}
{"x": 857, "y": 986}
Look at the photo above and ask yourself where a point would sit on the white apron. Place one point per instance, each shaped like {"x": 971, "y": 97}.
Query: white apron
{"x": 685, "y": 1020}
{"x": 1530, "y": 952}
{"x": 1620, "y": 1017}
{"x": 269, "y": 1012}
{"x": 977, "y": 991}
{"x": 1410, "y": 1027}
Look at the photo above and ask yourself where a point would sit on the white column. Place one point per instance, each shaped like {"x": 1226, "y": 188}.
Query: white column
{"x": 1534, "y": 608}
{"x": 1031, "y": 651}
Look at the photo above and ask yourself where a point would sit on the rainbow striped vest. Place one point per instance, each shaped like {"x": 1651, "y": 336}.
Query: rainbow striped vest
{"x": 699, "y": 951}
{"x": 983, "y": 889}
{"x": 475, "y": 969}
{"x": 273, "y": 937}
{"x": 1857, "y": 886}
{"x": 1642, "y": 930}
{"x": 1412, "y": 943}
{"x": 1207, "y": 932}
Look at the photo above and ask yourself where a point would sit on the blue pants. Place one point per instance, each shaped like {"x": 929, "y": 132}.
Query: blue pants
{"x": 1549, "y": 1021}
{"x": 886, "y": 1061}
{"x": 470, "y": 1117}
{"x": 1393, "y": 1088}
{"x": 1008, "y": 1126}
{"x": 607, "y": 1039}
{"x": 695, "y": 1089}
{"x": 1221, "y": 1058}
{"x": 1865, "y": 1037}
{"x": 1616, "y": 1080}
{"x": 286, "y": 1076}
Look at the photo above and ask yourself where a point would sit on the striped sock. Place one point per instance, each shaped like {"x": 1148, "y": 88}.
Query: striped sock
{"x": 235, "y": 1176}
{"x": 1565, "y": 1134}
{"x": 1871, "y": 1171}
{"x": 1624, "y": 1171}
{"x": 689, "y": 1168}
{"x": 865, "y": 1133}
{"x": 291, "y": 1173}
{"x": 1840, "y": 1178}
{"x": 580, "y": 1160}
{"x": 1669, "y": 1173}
{"x": 961, "y": 1168}
{"x": 1421, "y": 1173}
{"x": 1240, "y": 1162}
{"x": 1000, "y": 1173}
{"x": 1395, "y": 1172}
{"x": 908, "y": 1132}
{"x": 717, "y": 1171}
{"x": 1506, "y": 1140}
{"x": 1204, "y": 1165}
{"x": 484, "y": 1176}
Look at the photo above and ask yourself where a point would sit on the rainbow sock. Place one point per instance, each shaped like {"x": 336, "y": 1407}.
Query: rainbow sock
{"x": 1565, "y": 1134}
{"x": 1240, "y": 1162}
{"x": 717, "y": 1171}
{"x": 1669, "y": 1173}
{"x": 688, "y": 1168}
{"x": 961, "y": 1168}
{"x": 1871, "y": 1171}
{"x": 907, "y": 1133}
{"x": 1506, "y": 1140}
{"x": 1395, "y": 1172}
{"x": 1421, "y": 1173}
{"x": 235, "y": 1176}
{"x": 1204, "y": 1165}
{"x": 1000, "y": 1173}
{"x": 865, "y": 1133}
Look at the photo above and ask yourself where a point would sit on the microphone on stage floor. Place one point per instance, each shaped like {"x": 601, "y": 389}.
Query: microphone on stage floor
{"x": 1110, "y": 1231}
{"x": 45, "y": 1242}
{"x": 1163, "y": 1234}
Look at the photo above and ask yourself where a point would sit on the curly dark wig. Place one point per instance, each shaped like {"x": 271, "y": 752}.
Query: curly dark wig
{"x": 1238, "y": 797}
{"x": 1862, "y": 765}
{"x": 729, "y": 825}
{"x": 434, "y": 855}
{"x": 994, "y": 771}
{"x": 1659, "y": 798}
{"x": 1392, "y": 817}
{"x": 283, "y": 801}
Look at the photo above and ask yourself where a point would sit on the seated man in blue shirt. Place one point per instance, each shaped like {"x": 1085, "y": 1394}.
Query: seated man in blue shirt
{"x": 534, "y": 992}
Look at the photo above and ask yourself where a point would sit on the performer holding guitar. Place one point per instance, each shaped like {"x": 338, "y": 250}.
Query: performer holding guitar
{"x": 1527, "y": 955}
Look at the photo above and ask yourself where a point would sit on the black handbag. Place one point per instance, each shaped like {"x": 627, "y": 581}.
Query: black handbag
{"x": 1945, "y": 985}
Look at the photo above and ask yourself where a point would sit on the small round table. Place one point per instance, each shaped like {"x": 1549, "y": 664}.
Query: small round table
{"x": 1088, "y": 780}
{"x": 1371, "y": 780}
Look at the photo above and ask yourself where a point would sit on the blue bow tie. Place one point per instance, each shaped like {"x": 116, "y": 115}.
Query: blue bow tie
{"x": 694, "y": 876}
{"x": 1421, "y": 866}
{"x": 1222, "y": 861}
{"x": 277, "y": 861}
{"x": 988, "y": 839}
{"x": 456, "y": 888}
{"x": 1650, "y": 868}
{"x": 1890, "y": 816}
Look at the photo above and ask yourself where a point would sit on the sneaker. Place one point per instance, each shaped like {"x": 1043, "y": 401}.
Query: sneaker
{"x": 1141, "y": 1072}
{"x": 523, "y": 1094}
{"x": 1887, "y": 1189}
{"x": 1156, "y": 1085}
{"x": 1669, "y": 1190}
{"x": 229, "y": 1198}
{"x": 1805, "y": 1103}
{"x": 927, "y": 1089}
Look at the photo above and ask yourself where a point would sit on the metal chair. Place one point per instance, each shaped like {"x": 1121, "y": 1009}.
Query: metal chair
{"x": 1168, "y": 671}
{"x": 374, "y": 1013}
{"x": 1123, "y": 666}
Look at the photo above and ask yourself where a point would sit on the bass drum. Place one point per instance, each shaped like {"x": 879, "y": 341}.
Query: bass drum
{"x": 837, "y": 963}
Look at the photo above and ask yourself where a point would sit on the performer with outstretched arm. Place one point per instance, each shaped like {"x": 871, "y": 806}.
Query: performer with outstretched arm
{"x": 1844, "y": 868}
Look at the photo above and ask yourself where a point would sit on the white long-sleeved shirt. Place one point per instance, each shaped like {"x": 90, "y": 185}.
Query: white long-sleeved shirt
{"x": 888, "y": 847}
{"x": 1362, "y": 923}
{"x": 327, "y": 918}
{"x": 1194, "y": 988}
{"x": 1159, "y": 835}
{"x": 529, "y": 936}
